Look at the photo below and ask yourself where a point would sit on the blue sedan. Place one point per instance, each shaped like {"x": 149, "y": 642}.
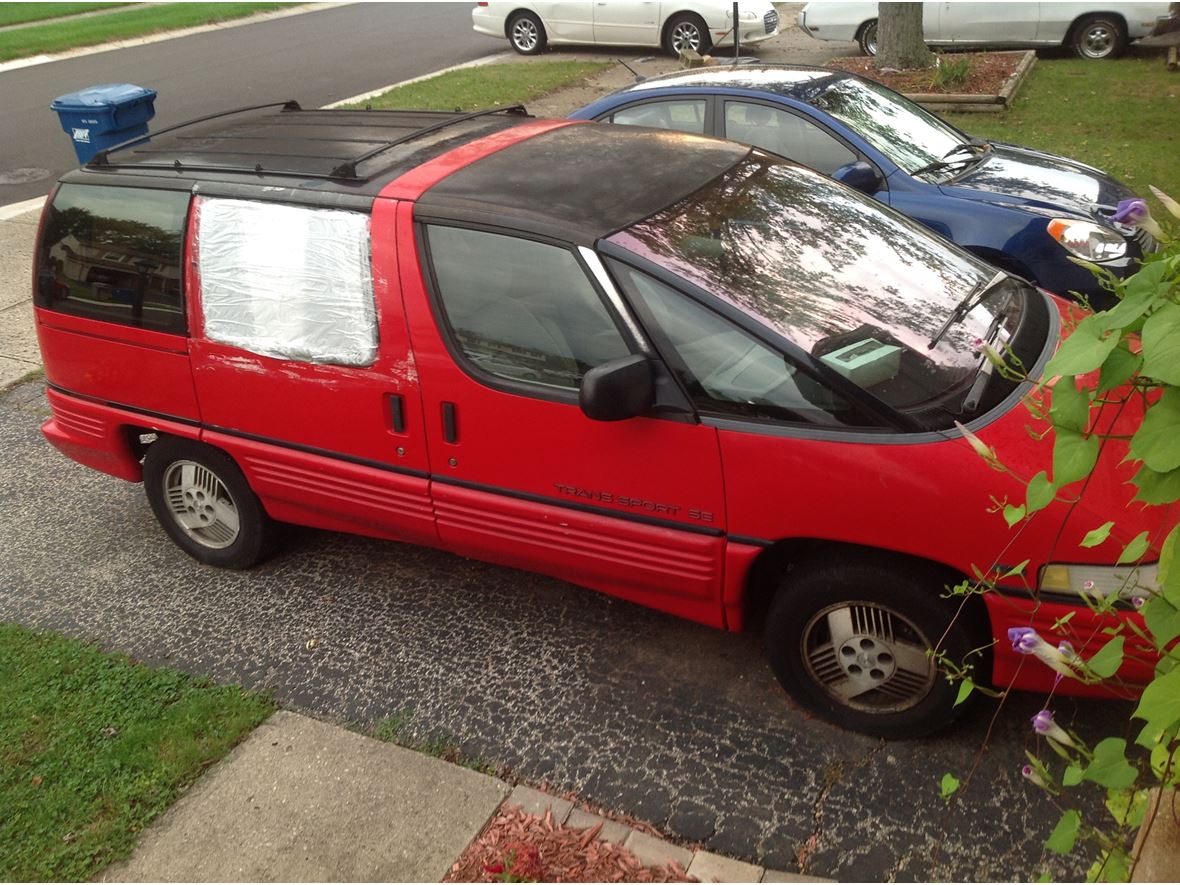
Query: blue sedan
{"x": 1024, "y": 211}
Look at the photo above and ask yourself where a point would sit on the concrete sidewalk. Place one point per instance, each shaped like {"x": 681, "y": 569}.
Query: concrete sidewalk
{"x": 18, "y": 338}
{"x": 300, "y": 800}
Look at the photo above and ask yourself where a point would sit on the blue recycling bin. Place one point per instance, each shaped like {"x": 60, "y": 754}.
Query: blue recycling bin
{"x": 101, "y": 117}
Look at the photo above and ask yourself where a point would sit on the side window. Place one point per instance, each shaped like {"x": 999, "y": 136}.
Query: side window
{"x": 113, "y": 254}
{"x": 726, "y": 370}
{"x": 683, "y": 116}
{"x": 290, "y": 282}
{"x": 785, "y": 134}
{"x": 521, "y": 310}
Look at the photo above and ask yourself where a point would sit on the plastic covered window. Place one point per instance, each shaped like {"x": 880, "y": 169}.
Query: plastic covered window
{"x": 290, "y": 282}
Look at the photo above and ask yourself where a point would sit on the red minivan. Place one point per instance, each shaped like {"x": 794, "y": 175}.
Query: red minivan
{"x": 671, "y": 368}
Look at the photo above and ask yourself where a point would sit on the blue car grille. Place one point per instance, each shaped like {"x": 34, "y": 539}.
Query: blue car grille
{"x": 771, "y": 20}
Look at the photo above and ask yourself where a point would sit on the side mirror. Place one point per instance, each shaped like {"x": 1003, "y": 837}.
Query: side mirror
{"x": 620, "y": 389}
{"x": 860, "y": 175}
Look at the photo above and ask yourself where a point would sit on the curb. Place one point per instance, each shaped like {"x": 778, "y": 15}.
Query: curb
{"x": 373, "y": 93}
{"x": 650, "y": 850}
{"x": 967, "y": 103}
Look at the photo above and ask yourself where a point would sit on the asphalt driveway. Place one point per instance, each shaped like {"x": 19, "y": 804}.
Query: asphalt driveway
{"x": 634, "y": 710}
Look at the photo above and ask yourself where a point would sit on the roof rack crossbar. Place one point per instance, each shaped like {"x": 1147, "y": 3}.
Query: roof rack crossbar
{"x": 348, "y": 169}
{"x": 100, "y": 158}
{"x": 256, "y": 169}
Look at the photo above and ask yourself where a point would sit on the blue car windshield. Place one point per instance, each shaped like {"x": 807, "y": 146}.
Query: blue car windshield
{"x": 904, "y": 132}
{"x": 837, "y": 274}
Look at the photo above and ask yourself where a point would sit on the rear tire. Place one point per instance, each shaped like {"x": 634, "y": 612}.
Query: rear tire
{"x": 687, "y": 30}
{"x": 867, "y": 37}
{"x": 527, "y": 34}
{"x": 1099, "y": 37}
{"x": 847, "y": 639}
{"x": 202, "y": 501}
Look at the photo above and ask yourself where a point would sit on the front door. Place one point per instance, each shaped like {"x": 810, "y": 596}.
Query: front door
{"x": 503, "y": 328}
{"x": 627, "y": 21}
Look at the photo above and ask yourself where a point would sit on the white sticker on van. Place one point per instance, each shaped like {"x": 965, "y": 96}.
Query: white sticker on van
{"x": 82, "y": 136}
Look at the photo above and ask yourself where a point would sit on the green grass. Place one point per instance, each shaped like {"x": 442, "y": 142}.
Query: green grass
{"x": 120, "y": 25}
{"x": 474, "y": 89}
{"x": 1121, "y": 116}
{"x": 20, "y": 13}
{"x": 93, "y": 746}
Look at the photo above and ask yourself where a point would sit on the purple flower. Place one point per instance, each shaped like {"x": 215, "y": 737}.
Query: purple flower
{"x": 1138, "y": 601}
{"x": 1131, "y": 211}
{"x": 1044, "y": 725}
{"x": 1024, "y": 639}
{"x": 1031, "y": 773}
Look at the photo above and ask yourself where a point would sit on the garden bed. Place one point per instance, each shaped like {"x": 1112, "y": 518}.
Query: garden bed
{"x": 965, "y": 81}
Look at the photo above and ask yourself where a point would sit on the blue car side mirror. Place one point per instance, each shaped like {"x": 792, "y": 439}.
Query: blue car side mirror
{"x": 860, "y": 175}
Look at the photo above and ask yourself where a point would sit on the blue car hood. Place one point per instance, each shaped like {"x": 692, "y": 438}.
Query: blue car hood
{"x": 1042, "y": 183}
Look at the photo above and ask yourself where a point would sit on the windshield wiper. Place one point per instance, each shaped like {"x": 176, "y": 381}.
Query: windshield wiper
{"x": 964, "y": 307}
{"x": 975, "y": 148}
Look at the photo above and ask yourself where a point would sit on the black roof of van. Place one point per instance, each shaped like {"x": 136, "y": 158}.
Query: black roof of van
{"x": 578, "y": 182}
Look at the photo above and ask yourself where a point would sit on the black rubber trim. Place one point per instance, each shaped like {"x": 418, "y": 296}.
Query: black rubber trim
{"x": 190, "y": 422}
{"x": 584, "y": 508}
{"x": 751, "y": 542}
{"x": 313, "y": 450}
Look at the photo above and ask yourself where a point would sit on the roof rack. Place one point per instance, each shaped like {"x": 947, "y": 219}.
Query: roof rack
{"x": 346, "y": 170}
{"x": 101, "y": 158}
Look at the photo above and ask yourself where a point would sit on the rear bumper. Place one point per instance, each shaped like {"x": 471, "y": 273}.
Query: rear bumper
{"x": 1084, "y": 631}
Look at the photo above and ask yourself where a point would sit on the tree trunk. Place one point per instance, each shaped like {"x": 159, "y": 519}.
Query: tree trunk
{"x": 900, "y": 43}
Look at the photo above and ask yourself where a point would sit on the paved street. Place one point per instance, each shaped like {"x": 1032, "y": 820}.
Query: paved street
{"x": 296, "y": 57}
{"x": 635, "y": 710}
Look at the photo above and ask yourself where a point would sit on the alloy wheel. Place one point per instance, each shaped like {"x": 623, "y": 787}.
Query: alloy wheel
{"x": 201, "y": 505}
{"x": 525, "y": 34}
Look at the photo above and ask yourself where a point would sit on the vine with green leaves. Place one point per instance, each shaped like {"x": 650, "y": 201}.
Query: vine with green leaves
{"x": 1126, "y": 355}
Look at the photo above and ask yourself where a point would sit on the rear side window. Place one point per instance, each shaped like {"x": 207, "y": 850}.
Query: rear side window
{"x": 113, "y": 254}
{"x": 291, "y": 282}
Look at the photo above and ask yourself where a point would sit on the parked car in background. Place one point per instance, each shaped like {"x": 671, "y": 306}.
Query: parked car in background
{"x": 1092, "y": 30}
{"x": 681, "y": 24}
{"x": 1025, "y": 211}
{"x": 679, "y": 370}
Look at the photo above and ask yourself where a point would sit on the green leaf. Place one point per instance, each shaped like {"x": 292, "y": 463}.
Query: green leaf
{"x": 1161, "y": 344}
{"x": 1162, "y": 620}
{"x": 1108, "y": 659}
{"x": 1140, "y": 292}
{"x": 1119, "y": 368}
{"x": 1134, "y": 551}
{"x": 1069, "y": 407}
{"x": 1127, "y": 807}
{"x": 1017, "y": 569}
{"x": 1073, "y": 776}
{"x": 1065, "y": 833}
{"x": 1159, "y": 707}
{"x": 948, "y": 785}
{"x": 1074, "y": 456}
{"x": 1084, "y": 350}
{"x": 1040, "y": 493}
{"x": 1094, "y": 537}
{"x": 1109, "y": 767}
{"x": 965, "y": 689}
{"x": 1157, "y": 488}
{"x": 1157, "y": 441}
{"x": 1013, "y": 515}
{"x": 1167, "y": 552}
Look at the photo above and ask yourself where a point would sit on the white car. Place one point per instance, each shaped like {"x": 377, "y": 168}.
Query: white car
{"x": 1092, "y": 30}
{"x": 681, "y": 24}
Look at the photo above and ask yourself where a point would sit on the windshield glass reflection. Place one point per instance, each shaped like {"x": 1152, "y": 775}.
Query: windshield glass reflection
{"x": 908, "y": 135}
{"x": 842, "y": 277}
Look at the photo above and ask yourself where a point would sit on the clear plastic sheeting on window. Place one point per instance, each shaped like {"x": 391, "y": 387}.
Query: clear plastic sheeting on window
{"x": 287, "y": 281}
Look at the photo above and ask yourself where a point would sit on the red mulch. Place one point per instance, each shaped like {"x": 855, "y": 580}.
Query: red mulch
{"x": 989, "y": 72}
{"x": 519, "y": 847}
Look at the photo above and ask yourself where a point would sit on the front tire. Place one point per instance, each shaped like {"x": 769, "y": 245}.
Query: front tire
{"x": 687, "y": 31}
{"x": 867, "y": 37}
{"x": 1099, "y": 37}
{"x": 203, "y": 502}
{"x": 847, "y": 639}
{"x": 527, "y": 34}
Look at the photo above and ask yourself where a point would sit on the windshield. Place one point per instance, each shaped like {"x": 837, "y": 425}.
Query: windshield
{"x": 901, "y": 130}
{"x": 856, "y": 285}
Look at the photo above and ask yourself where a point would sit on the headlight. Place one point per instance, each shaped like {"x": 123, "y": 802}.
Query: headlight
{"x": 1122, "y": 581}
{"x": 1087, "y": 240}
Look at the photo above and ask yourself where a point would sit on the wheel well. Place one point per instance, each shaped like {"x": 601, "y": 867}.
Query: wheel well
{"x": 863, "y": 27}
{"x": 514, "y": 13}
{"x": 777, "y": 560}
{"x": 682, "y": 13}
{"x": 1071, "y": 32}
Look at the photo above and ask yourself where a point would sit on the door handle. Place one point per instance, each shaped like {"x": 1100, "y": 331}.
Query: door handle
{"x": 450, "y": 423}
{"x": 397, "y": 412}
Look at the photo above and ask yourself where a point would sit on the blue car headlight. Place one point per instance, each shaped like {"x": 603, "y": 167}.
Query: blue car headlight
{"x": 1087, "y": 240}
